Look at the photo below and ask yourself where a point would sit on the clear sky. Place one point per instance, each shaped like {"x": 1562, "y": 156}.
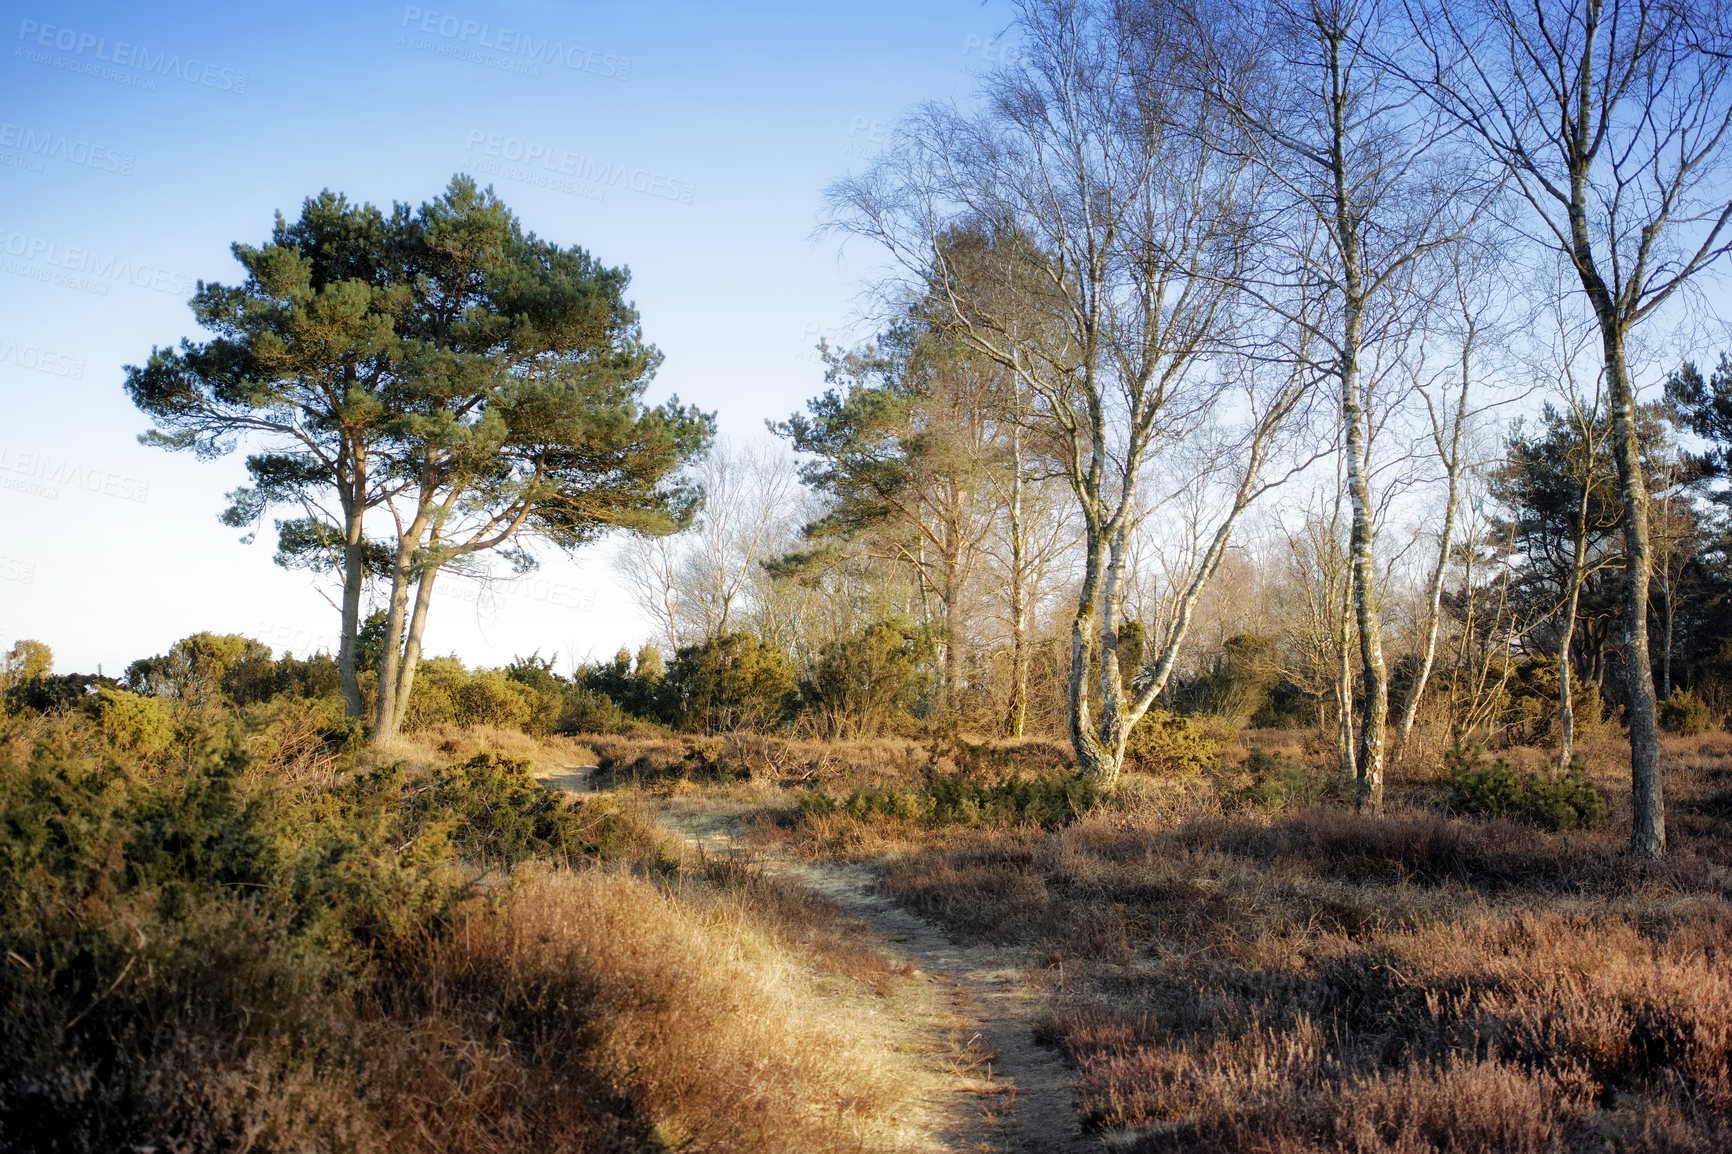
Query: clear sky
{"x": 137, "y": 142}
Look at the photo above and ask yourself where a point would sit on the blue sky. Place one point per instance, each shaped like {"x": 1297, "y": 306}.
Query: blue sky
{"x": 137, "y": 145}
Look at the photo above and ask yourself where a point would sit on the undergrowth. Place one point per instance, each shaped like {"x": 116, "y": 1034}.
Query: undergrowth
{"x": 1546, "y": 798}
{"x": 956, "y": 799}
{"x": 232, "y": 939}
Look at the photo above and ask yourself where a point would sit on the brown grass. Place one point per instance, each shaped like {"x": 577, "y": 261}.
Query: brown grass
{"x": 1316, "y": 980}
{"x": 635, "y": 1004}
{"x": 440, "y": 745}
{"x": 688, "y": 1011}
{"x": 659, "y": 761}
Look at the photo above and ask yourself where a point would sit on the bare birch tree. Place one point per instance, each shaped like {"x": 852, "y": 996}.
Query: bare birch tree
{"x": 1449, "y": 411}
{"x": 1614, "y": 116}
{"x": 1121, "y": 234}
{"x": 711, "y": 579}
{"x": 1372, "y": 190}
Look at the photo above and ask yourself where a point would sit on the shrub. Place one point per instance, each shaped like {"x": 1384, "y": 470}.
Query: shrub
{"x": 1273, "y": 780}
{"x": 1565, "y": 800}
{"x": 863, "y": 679}
{"x": 729, "y": 681}
{"x": 196, "y": 963}
{"x": 1168, "y": 745}
{"x": 1529, "y": 713}
{"x": 437, "y": 695}
{"x": 199, "y": 670}
{"x": 1686, "y": 714}
{"x": 501, "y": 814}
{"x": 955, "y": 799}
{"x": 633, "y": 691}
{"x": 1548, "y": 799}
{"x": 493, "y": 698}
{"x": 25, "y": 661}
{"x": 56, "y": 692}
{"x": 134, "y": 723}
{"x": 582, "y": 711}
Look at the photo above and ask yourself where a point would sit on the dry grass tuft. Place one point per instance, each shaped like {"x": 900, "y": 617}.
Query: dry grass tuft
{"x": 686, "y": 1010}
{"x": 441, "y": 745}
{"x": 658, "y": 761}
{"x": 1314, "y": 980}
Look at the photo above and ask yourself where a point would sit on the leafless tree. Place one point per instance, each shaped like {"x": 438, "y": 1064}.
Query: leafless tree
{"x": 1121, "y": 234}
{"x": 1449, "y": 411}
{"x": 1614, "y": 117}
{"x": 1025, "y": 545}
{"x": 1371, "y": 191}
{"x": 710, "y": 579}
{"x": 1584, "y": 409}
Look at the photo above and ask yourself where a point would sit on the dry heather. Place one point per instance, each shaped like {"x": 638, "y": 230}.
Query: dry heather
{"x": 686, "y": 1008}
{"x": 440, "y": 745}
{"x": 656, "y": 761}
{"x": 587, "y": 1011}
{"x": 208, "y": 951}
{"x": 1314, "y": 980}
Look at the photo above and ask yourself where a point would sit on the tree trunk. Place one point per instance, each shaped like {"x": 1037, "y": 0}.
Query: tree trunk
{"x": 412, "y": 647}
{"x": 1374, "y": 700}
{"x": 1344, "y": 688}
{"x": 1434, "y": 592}
{"x": 1428, "y": 652}
{"x": 1092, "y": 759}
{"x": 1666, "y": 641}
{"x": 1566, "y": 699}
{"x": 391, "y": 660}
{"x": 1648, "y": 824}
{"x": 1113, "y": 727}
{"x": 1567, "y": 638}
{"x": 952, "y": 649}
{"x": 385, "y": 711}
{"x": 1349, "y": 239}
{"x": 354, "y": 577}
{"x": 1016, "y": 714}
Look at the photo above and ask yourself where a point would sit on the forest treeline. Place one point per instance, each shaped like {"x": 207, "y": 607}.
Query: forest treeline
{"x": 1199, "y": 340}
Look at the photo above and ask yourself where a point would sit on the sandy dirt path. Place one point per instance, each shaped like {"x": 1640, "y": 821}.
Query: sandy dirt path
{"x": 971, "y": 1013}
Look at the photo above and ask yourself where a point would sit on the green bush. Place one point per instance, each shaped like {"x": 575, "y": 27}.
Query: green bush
{"x": 1686, "y": 714}
{"x": 171, "y": 925}
{"x": 134, "y": 723}
{"x": 436, "y": 697}
{"x": 500, "y": 814}
{"x": 1168, "y": 745}
{"x": 955, "y": 799}
{"x": 582, "y": 711}
{"x": 727, "y": 682}
{"x": 863, "y": 679}
{"x": 1548, "y": 799}
{"x": 637, "y": 692}
{"x": 493, "y": 698}
{"x": 1272, "y": 780}
{"x": 202, "y": 669}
